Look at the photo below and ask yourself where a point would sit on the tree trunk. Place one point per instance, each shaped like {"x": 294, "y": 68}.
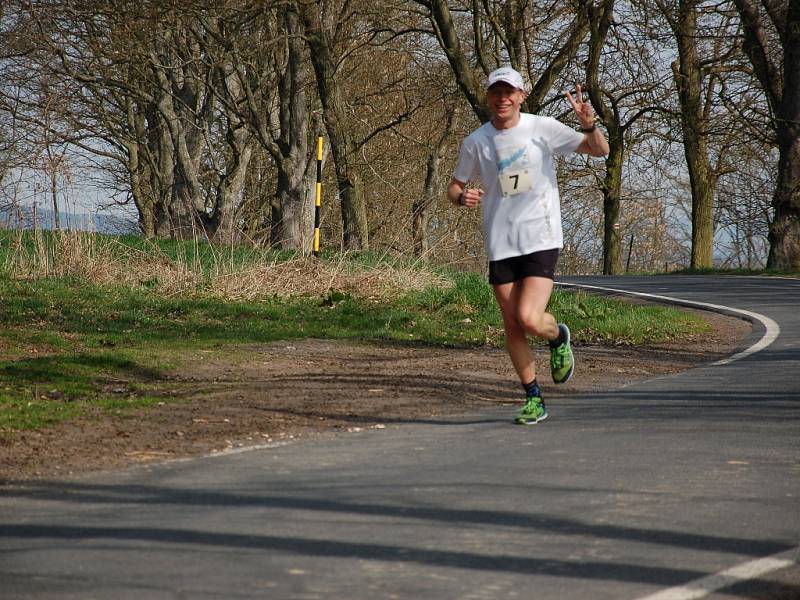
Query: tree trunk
{"x": 185, "y": 187}
{"x": 156, "y": 190}
{"x": 355, "y": 230}
{"x": 448, "y": 38}
{"x": 54, "y": 198}
{"x": 600, "y": 18}
{"x": 142, "y": 202}
{"x": 230, "y": 189}
{"x": 689, "y": 81}
{"x": 612, "y": 186}
{"x": 180, "y": 108}
{"x": 782, "y": 88}
{"x": 784, "y": 234}
{"x": 419, "y": 210}
{"x": 293, "y": 144}
{"x": 289, "y": 223}
{"x": 348, "y": 179}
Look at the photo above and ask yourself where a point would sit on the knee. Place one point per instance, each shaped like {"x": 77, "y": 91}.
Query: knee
{"x": 511, "y": 325}
{"x": 513, "y": 329}
{"x": 532, "y": 323}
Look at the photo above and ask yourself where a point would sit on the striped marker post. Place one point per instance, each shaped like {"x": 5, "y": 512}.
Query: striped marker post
{"x": 318, "y": 201}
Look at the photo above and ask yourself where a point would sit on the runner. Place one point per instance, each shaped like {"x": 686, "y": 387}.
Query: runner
{"x": 513, "y": 155}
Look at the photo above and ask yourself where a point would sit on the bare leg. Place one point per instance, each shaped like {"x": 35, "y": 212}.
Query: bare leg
{"x": 522, "y": 304}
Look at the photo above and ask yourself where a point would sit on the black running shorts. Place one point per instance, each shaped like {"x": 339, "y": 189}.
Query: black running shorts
{"x": 537, "y": 264}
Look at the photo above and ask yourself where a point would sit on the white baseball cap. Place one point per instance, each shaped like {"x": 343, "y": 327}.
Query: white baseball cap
{"x": 506, "y": 75}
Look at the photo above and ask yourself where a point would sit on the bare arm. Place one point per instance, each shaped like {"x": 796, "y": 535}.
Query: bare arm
{"x": 594, "y": 144}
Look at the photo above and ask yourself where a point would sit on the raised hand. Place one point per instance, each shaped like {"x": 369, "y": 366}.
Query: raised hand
{"x": 583, "y": 109}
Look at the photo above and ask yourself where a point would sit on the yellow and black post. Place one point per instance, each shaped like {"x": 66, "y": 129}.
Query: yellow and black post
{"x": 318, "y": 201}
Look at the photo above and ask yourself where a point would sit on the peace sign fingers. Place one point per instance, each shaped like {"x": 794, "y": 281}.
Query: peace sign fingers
{"x": 582, "y": 109}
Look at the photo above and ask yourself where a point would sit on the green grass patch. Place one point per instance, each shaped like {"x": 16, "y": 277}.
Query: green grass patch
{"x": 596, "y": 319}
{"x": 70, "y": 347}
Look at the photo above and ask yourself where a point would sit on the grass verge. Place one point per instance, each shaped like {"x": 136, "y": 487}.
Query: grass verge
{"x": 71, "y": 345}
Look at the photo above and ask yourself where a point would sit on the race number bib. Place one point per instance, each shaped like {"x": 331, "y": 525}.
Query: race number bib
{"x": 513, "y": 183}
{"x": 512, "y": 166}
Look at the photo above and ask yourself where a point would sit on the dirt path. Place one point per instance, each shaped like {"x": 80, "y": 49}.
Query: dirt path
{"x": 272, "y": 392}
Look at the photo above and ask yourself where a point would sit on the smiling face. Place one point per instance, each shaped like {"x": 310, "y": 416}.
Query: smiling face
{"x": 504, "y": 103}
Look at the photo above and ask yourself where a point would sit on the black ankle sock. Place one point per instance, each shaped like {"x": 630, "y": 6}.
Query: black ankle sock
{"x": 532, "y": 389}
{"x": 562, "y": 337}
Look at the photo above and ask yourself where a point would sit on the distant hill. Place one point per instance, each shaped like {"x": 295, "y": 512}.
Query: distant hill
{"x": 22, "y": 217}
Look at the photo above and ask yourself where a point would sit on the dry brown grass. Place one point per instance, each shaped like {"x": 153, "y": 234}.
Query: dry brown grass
{"x": 105, "y": 260}
{"x": 311, "y": 277}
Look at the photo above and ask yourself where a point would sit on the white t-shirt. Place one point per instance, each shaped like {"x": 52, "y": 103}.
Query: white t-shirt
{"x": 517, "y": 169}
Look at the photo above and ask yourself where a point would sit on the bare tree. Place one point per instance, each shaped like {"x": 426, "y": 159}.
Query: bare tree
{"x": 95, "y": 59}
{"x": 324, "y": 25}
{"x": 420, "y": 209}
{"x": 351, "y": 50}
{"x": 15, "y": 46}
{"x": 688, "y": 75}
{"x": 265, "y": 88}
{"x": 708, "y": 61}
{"x": 538, "y": 41}
{"x": 627, "y": 92}
{"x": 142, "y": 93}
{"x": 772, "y": 43}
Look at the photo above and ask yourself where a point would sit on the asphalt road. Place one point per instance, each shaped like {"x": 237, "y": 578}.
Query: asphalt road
{"x": 667, "y": 489}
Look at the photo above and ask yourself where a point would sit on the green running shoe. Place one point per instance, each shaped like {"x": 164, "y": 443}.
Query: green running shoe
{"x": 562, "y": 363}
{"x": 533, "y": 412}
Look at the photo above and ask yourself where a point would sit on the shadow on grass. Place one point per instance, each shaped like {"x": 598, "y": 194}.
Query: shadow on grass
{"x": 74, "y": 368}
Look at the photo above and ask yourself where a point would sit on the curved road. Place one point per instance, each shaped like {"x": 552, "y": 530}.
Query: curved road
{"x": 673, "y": 488}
